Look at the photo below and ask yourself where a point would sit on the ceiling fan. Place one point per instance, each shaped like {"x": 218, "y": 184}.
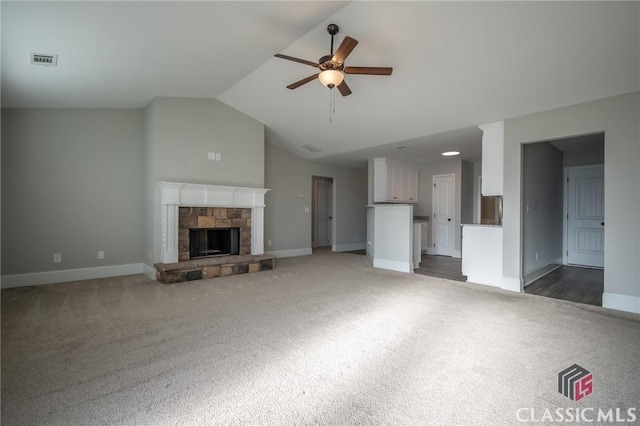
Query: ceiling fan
{"x": 332, "y": 67}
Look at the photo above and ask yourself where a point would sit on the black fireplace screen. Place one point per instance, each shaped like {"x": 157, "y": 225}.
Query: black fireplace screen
{"x": 209, "y": 242}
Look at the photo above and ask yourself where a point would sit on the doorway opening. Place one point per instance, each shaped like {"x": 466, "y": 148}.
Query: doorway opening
{"x": 562, "y": 252}
{"x": 443, "y": 215}
{"x": 322, "y": 212}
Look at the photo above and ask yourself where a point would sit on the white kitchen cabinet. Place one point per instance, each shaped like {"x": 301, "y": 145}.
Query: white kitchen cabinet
{"x": 394, "y": 181}
{"x": 492, "y": 158}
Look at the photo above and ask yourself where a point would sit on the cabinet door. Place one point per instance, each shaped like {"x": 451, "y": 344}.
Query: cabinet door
{"x": 398, "y": 183}
{"x": 391, "y": 179}
{"x": 412, "y": 185}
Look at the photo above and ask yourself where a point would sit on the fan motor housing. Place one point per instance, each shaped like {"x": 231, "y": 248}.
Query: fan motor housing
{"x": 325, "y": 63}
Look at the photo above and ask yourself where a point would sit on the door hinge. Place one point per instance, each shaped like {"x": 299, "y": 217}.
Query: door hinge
{"x": 434, "y": 185}
{"x": 567, "y": 216}
{"x": 567, "y": 179}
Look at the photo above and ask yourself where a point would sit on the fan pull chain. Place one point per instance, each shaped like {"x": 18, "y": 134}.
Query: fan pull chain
{"x": 332, "y": 103}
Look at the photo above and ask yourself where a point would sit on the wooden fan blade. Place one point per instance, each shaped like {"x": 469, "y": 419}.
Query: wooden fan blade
{"x": 344, "y": 89}
{"x": 347, "y": 45}
{"x": 291, "y": 58}
{"x": 303, "y": 81}
{"x": 368, "y": 70}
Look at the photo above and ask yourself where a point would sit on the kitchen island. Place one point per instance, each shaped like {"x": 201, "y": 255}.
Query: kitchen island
{"x": 482, "y": 254}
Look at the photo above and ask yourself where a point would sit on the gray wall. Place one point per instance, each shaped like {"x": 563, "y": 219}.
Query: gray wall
{"x": 72, "y": 183}
{"x": 585, "y": 157}
{"x": 425, "y": 188}
{"x": 179, "y": 132}
{"x": 542, "y": 191}
{"x": 477, "y": 172}
{"x": 467, "y": 191}
{"x": 287, "y": 225}
{"x": 617, "y": 117}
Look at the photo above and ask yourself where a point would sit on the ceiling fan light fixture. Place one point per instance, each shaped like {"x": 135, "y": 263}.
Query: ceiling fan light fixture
{"x": 331, "y": 78}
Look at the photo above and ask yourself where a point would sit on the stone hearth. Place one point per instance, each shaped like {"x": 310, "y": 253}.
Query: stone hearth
{"x": 170, "y": 273}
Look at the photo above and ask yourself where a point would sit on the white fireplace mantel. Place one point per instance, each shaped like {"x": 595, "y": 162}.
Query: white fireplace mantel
{"x": 174, "y": 195}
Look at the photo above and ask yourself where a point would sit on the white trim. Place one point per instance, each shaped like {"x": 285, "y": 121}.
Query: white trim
{"x": 149, "y": 271}
{"x": 511, "y": 284}
{"x": 539, "y": 272}
{"x": 452, "y": 238}
{"x": 393, "y": 265}
{"x": 62, "y": 276}
{"x": 621, "y": 302}
{"x": 291, "y": 252}
{"x": 349, "y": 247}
{"x": 457, "y": 254}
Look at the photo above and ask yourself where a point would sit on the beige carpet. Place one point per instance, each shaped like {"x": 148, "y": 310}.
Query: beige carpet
{"x": 321, "y": 339}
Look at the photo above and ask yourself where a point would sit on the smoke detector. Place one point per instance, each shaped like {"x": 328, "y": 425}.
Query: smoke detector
{"x": 44, "y": 59}
{"x": 311, "y": 147}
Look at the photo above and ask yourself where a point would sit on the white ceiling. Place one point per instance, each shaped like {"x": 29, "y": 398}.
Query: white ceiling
{"x": 456, "y": 65}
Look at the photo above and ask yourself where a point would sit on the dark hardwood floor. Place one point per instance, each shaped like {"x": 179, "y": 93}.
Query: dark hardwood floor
{"x": 441, "y": 267}
{"x": 581, "y": 285}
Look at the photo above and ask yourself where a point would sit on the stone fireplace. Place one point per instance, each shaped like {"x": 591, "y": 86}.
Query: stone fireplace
{"x": 213, "y": 231}
{"x": 210, "y": 230}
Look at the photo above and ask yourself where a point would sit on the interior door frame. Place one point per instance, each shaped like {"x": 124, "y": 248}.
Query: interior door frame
{"x": 452, "y": 235}
{"x": 314, "y": 203}
{"x": 565, "y": 210}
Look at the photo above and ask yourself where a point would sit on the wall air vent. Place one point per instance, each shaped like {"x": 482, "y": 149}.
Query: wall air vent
{"x": 44, "y": 59}
{"x": 311, "y": 147}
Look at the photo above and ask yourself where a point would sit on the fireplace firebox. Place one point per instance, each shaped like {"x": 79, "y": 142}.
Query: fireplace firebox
{"x": 210, "y": 242}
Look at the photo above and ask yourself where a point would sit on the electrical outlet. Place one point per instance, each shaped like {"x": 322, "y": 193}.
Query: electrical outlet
{"x": 306, "y": 209}
{"x": 100, "y": 255}
{"x": 57, "y": 257}
{"x": 537, "y": 257}
{"x": 269, "y": 243}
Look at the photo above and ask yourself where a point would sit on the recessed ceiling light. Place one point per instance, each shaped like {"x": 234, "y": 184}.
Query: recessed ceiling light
{"x": 451, "y": 153}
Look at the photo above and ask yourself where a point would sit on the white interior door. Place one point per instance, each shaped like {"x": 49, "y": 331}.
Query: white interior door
{"x": 585, "y": 216}
{"x": 324, "y": 208}
{"x": 443, "y": 215}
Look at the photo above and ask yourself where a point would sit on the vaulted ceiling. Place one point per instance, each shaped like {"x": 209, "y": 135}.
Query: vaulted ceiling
{"x": 456, "y": 64}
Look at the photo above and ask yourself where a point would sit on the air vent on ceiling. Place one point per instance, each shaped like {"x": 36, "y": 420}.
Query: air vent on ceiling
{"x": 311, "y": 147}
{"x": 44, "y": 59}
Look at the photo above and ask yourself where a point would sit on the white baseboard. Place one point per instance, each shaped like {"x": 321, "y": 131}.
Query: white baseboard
{"x": 540, "y": 272}
{"x": 511, "y": 284}
{"x": 393, "y": 265}
{"x": 292, "y": 252}
{"x": 621, "y": 302}
{"x": 149, "y": 271}
{"x": 350, "y": 247}
{"x": 51, "y": 277}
